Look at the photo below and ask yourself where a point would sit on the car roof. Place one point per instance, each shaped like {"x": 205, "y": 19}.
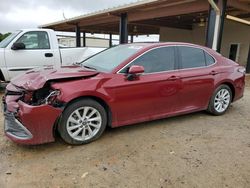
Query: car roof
{"x": 148, "y": 45}
{"x": 155, "y": 44}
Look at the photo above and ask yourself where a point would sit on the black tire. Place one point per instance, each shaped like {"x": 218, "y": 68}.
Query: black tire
{"x": 62, "y": 126}
{"x": 211, "y": 107}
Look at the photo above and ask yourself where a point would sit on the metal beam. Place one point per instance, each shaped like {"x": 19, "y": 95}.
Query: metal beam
{"x": 123, "y": 30}
{"x": 78, "y": 36}
{"x": 132, "y": 38}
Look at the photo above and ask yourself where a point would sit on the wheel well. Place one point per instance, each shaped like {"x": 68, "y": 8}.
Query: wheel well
{"x": 99, "y": 100}
{"x": 231, "y": 87}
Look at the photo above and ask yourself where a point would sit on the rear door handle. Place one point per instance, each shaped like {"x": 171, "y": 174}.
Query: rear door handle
{"x": 48, "y": 55}
{"x": 173, "y": 78}
{"x": 213, "y": 72}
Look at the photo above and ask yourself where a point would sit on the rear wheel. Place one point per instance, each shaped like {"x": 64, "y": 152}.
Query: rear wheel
{"x": 221, "y": 100}
{"x": 82, "y": 122}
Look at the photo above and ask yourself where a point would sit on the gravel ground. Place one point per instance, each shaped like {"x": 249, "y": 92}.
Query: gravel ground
{"x": 195, "y": 150}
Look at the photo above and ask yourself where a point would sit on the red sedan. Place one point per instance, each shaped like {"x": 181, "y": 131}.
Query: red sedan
{"x": 123, "y": 85}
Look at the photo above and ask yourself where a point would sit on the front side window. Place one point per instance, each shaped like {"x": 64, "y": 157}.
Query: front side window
{"x": 35, "y": 40}
{"x": 156, "y": 60}
{"x": 191, "y": 57}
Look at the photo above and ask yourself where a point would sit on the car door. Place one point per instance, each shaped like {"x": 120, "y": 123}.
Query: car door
{"x": 151, "y": 95}
{"x": 197, "y": 78}
{"x": 37, "y": 53}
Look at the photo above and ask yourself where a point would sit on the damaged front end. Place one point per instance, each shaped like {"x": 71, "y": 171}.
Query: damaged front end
{"x": 30, "y": 116}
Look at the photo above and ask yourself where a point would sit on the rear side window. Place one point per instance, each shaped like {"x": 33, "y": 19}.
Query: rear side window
{"x": 209, "y": 59}
{"x": 156, "y": 60}
{"x": 191, "y": 57}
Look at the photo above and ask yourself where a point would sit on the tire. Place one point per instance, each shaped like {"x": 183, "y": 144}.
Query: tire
{"x": 220, "y": 101}
{"x": 82, "y": 122}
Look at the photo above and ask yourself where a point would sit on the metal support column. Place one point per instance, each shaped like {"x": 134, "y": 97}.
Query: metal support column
{"x": 123, "y": 28}
{"x": 211, "y": 26}
{"x": 223, "y": 6}
{"x": 248, "y": 61}
{"x": 110, "y": 40}
{"x": 84, "y": 39}
{"x": 78, "y": 36}
{"x": 132, "y": 38}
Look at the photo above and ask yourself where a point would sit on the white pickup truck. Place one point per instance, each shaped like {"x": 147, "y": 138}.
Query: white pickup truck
{"x": 31, "y": 48}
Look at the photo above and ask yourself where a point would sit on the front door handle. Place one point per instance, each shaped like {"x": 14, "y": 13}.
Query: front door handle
{"x": 173, "y": 78}
{"x": 48, "y": 55}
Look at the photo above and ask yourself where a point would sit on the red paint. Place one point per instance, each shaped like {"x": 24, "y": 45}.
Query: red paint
{"x": 39, "y": 120}
{"x": 136, "y": 69}
{"x": 35, "y": 79}
{"x": 148, "y": 97}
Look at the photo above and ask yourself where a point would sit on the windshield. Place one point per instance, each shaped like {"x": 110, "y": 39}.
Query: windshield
{"x": 7, "y": 40}
{"x": 109, "y": 59}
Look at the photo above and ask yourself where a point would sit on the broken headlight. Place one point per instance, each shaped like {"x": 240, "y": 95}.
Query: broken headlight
{"x": 45, "y": 95}
{"x": 51, "y": 97}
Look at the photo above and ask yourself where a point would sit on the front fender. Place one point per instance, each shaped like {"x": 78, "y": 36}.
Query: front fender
{"x": 83, "y": 88}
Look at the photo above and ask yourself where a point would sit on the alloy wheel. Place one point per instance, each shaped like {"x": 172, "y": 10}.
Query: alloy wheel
{"x": 222, "y": 100}
{"x": 84, "y": 123}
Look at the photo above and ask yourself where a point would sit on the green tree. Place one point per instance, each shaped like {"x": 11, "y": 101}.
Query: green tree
{"x": 3, "y": 36}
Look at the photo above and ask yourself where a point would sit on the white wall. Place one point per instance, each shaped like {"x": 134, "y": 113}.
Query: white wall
{"x": 234, "y": 32}
{"x": 90, "y": 42}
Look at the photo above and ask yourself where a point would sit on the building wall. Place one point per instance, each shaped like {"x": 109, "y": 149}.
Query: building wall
{"x": 234, "y": 32}
{"x": 90, "y": 42}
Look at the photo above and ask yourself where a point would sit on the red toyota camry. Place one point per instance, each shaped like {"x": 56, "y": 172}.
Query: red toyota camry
{"x": 122, "y": 85}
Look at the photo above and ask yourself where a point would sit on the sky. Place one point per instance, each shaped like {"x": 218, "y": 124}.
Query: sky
{"x": 23, "y": 14}
{"x": 18, "y": 14}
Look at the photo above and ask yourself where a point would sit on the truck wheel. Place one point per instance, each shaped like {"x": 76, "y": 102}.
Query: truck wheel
{"x": 82, "y": 122}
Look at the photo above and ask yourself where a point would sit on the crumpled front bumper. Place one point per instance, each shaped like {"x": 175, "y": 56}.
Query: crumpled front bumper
{"x": 31, "y": 124}
{"x": 14, "y": 128}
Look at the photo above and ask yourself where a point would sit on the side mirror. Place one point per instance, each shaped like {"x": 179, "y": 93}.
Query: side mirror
{"x": 18, "y": 46}
{"x": 134, "y": 71}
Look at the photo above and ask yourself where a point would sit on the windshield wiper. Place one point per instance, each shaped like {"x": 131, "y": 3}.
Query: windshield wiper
{"x": 85, "y": 66}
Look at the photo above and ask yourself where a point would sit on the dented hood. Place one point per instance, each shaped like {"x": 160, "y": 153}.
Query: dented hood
{"x": 36, "y": 78}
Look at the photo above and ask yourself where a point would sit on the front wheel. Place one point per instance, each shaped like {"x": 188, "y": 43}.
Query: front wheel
{"x": 221, "y": 100}
{"x": 82, "y": 122}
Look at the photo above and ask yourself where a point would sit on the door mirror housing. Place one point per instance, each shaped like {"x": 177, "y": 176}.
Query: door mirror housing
{"x": 18, "y": 46}
{"x": 134, "y": 71}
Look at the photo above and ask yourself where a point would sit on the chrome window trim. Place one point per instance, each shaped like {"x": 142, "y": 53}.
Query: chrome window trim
{"x": 175, "y": 45}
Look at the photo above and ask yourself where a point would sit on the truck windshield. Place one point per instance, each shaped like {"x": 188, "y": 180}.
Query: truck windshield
{"x": 7, "y": 40}
{"x": 109, "y": 59}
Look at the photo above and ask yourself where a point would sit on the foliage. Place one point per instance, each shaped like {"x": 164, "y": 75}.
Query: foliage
{"x": 3, "y": 36}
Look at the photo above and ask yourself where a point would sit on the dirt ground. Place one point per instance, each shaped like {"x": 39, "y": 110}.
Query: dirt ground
{"x": 197, "y": 150}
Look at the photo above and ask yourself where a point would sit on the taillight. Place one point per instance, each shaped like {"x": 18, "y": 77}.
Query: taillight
{"x": 242, "y": 70}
